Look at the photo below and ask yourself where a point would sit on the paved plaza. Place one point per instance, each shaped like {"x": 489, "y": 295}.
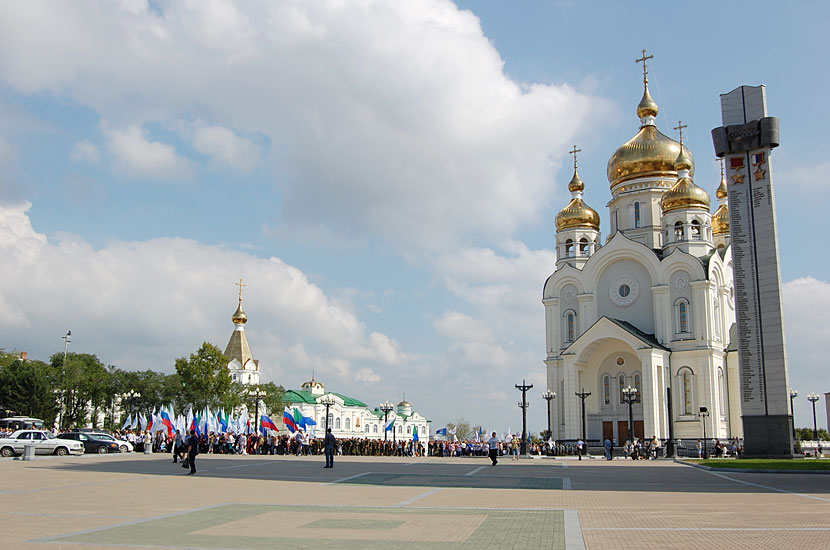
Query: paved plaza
{"x": 249, "y": 502}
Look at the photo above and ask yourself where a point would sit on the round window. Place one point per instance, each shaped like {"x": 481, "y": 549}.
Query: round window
{"x": 624, "y": 291}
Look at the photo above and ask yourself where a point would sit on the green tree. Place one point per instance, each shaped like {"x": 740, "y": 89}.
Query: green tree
{"x": 27, "y": 388}
{"x": 204, "y": 378}
{"x": 81, "y": 383}
{"x": 272, "y": 398}
{"x": 807, "y": 434}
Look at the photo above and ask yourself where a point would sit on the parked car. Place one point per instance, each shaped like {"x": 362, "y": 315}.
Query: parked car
{"x": 21, "y": 423}
{"x": 45, "y": 444}
{"x": 93, "y": 443}
{"x": 123, "y": 445}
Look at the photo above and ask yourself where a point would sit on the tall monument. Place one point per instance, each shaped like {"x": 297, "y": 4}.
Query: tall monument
{"x": 746, "y": 140}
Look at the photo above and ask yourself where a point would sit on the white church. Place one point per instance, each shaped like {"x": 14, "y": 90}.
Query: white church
{"x": 652, "y": 308}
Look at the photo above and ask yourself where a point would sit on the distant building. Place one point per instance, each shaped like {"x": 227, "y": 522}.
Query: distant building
{"x": 241, "y": 363}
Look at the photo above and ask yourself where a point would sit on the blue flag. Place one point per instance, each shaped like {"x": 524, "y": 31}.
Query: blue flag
{"x": 442, "y": 431}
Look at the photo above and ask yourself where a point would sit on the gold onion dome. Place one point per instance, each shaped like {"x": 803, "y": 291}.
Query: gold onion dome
{"x": 404, "y": 403}
{"x": 239, "y": 316}
{"x": 720, "y": 219}
{"x": 684, "y": 194}
{"x": 649, "y": 153}
{"x": 577, "y": 213}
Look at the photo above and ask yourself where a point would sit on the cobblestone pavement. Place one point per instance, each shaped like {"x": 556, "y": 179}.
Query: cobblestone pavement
{"x": 119, "y": 501}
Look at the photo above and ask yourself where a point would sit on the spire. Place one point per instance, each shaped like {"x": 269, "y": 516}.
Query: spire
{"x": 239, "y": 317}
{"x": 647, "y": 109}
{"x": 721, "y": 192}
{"x": 576, "y": 186}
{"x": 683, "y": 162}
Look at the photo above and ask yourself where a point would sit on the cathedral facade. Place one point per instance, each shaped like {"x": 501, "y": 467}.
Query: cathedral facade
{"x": 646, "y": 316}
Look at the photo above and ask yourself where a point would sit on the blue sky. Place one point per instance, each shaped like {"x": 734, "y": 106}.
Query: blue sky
{"x": 383, "y": 175}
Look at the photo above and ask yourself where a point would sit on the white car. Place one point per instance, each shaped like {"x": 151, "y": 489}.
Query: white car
{"x": 123, "y": 445}
{"x": 45, "y": 444}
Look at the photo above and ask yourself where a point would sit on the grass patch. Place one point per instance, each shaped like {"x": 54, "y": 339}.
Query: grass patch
{"x": 795, "y": 464}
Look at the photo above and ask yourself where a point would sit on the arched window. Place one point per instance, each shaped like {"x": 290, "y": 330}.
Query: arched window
{"x": 678, "y": 231}
{"x": 348, "y": 424}
{"x": 638, "y": 383}
{"x": 637, "y": 222}
{"x": 569, "y": 248}
{"x": 375, "y": 429}
{"x": 687, "y": 387}
{"x": 570, "y": 326}
{"x": 399, "y": 429}
{"x": 367, "y": 428}
{"x": 682, "y": 308}
{"x": 716, "y": 310}
{"x": 337, "y": 423}
{"x": 721, "y": 393}
{"x": 234, "y": 377}
{"x": 584, "y": 247}
{"x": 606, "y": 390}
{"x": 621, "y": 383}
{"x": 409, "y": 430}
{"x": 695, "y": 230}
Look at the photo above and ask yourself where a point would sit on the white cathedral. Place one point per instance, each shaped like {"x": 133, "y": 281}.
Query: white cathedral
{"x": 651, "y": 309}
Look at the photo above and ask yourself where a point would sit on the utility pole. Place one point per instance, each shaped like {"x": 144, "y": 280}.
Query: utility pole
{"x": 523, "y": 404}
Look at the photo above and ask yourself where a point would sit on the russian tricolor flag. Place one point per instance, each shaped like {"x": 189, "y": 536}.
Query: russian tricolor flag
{"x": 288, "y": 419}
{"x": 267, "y": 423}
{"x": 167, "y": 421}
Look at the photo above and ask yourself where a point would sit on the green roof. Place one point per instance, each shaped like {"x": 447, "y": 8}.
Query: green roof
{"x": 303, "y": 396}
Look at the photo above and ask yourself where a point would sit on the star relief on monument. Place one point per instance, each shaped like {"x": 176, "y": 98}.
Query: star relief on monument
{"x": 737, "y": 177}
{"x": 760, "y": 174}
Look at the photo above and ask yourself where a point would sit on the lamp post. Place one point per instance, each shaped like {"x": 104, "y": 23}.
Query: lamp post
{"x": 630, "y": 397}
{"x": 704, "y": 412}
{"x": 812, "y": 398}
{"x": 583, "y": 395}
{"x": 547, "y": 396}
{"x": 130, "y": 396}
{"x": 523, "y": 404}
{"x": 328, "y": 402}
{"x": 66, "y": 341}
{"x": 793, "y": 395}
{"x": 386, "y": 407}
{"x": 258, "y": 394}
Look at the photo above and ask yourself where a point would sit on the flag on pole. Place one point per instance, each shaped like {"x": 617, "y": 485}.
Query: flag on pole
{"x": 288, "y": 419}
{"x": 442, "y": 431}
{"x": 142, "y": 421}
{"x": 388, "y": 426}
{"x": 266, "y": 423}
{"x": 453, "y": 431}
{"x": 127, "y": 423}
{"x": 152, "y": 420}
{"x": 415, "y": 433}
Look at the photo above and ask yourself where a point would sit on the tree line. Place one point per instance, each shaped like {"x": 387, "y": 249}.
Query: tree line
{"x": 83, "y": 391}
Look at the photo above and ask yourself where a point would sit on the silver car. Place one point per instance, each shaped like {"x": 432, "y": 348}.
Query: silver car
{"x": 45, "y": 444}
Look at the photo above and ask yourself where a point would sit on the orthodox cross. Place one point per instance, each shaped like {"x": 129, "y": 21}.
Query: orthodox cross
{"x": 644, "y": 60}
{"x": 240, "y": 285}
{"x": 574, "y": 151}
{"x": 679, "y": 128}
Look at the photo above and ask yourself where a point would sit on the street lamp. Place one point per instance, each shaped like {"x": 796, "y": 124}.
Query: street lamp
{"x": 258, "y": 394}
{"x": 583, "y": 395}
{"x": 523, "y": 404}
{"x": 812, "y": 398}
{"x": 386, "y": 407}
{"x": 547, "y": 396}
{"x": 704, "y": 412}
{"x": 328, "y": 402}
{"x": 630, "y": 397}
{"x": 130, "y": 396}
{"x": 793, "y": 395}
{"x": 66, "y": 341}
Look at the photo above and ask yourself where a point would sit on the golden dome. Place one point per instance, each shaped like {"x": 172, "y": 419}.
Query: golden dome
{"x": 576, "y": 183}
{"x": 684, "y": 195}
{"x": 577, "y": 214}
{"x": 649, "y": 153}
{"x": 647, "y": 106}
{"x": 404, "y": 403}
{"x": 720, "y": 220}
{"x": 721, "y": 192}
{"x": 239, "y": 317}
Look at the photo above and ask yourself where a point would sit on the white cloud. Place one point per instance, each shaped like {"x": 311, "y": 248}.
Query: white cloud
{"x": 140, "y": 157}
{"x": 141, "y": 304}
{"x": 393, "y": 120}
{"x": 224, "y": 146}
{"x": 85, "y": 151}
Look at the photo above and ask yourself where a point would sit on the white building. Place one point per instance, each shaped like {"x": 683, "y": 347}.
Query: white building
{"x": 652, "y": 308}
{"x": 352, "y": 418}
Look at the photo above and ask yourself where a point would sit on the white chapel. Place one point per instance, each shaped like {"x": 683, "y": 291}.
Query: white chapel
{"x": 652, "y": 308}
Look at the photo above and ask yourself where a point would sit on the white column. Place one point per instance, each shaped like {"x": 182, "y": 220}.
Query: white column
{"x": 573, "y": 418}
{"x": 651, "y": 399}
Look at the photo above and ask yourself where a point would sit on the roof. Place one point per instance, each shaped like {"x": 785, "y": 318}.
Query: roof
{"x": 302, "y": 396}
{"x": 646, "y": 338}
{"x": 238, "y": 347}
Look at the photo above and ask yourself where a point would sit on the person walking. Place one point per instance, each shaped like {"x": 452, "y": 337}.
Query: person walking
{"x": 192, "y": 451}
{"x": 609, "y": 449}
{"x": 329, "y": 442}
{"x": 579, "y": 447}
{"x": 493, "y": 445}
{"x": 177, "y": 446}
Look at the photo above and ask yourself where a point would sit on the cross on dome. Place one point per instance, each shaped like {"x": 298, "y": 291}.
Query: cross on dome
{"x": 679, "y": 128}
{"x": 574, "y": 151}
{"x": 644, "y": 61}
{"x": 240, "y": 285}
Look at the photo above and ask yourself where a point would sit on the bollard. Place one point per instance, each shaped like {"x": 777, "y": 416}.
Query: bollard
{"x": 29, "y": 451}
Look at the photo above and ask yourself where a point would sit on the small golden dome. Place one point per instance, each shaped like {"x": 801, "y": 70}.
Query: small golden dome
{"x": 721, "y": 192}
{"x": 683, "y": 161}
{"x": 576, "y": 183}
{"x": 239, "y": 317}
{"x": 684, "y": 195}
{"x": 649, "y": 153}
{"x": 647, "y": 106}
{"x": 577, "y": 214}
{"x": 404, "y": 403}
{"x": 720, "y": 220}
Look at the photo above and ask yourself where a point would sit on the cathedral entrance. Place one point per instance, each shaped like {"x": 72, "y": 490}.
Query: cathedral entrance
{"x": 622, "y": 430}
{"x": 607, "y": 430}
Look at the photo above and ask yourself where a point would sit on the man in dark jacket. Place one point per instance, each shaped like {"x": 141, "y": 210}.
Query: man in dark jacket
{"x": 178, "y": 444}
{"x": 192, "y": 451}
{"x": 330, "y": 443}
